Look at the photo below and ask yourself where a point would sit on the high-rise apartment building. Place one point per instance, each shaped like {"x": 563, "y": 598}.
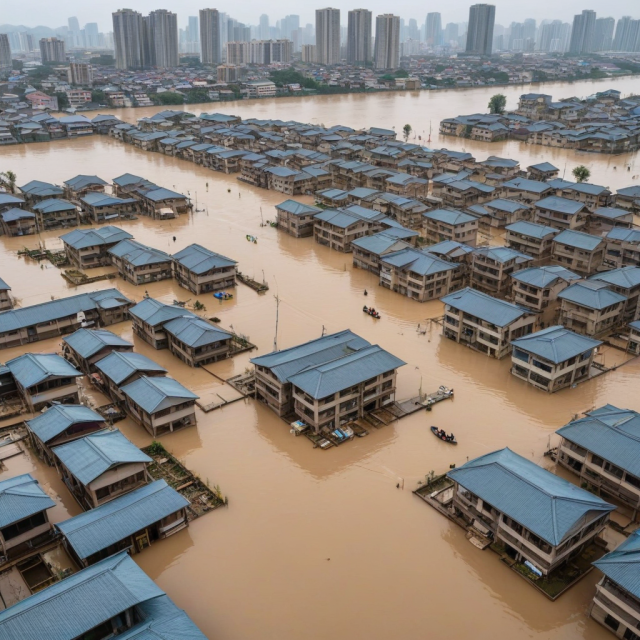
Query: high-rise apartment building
{"x": 263, "y": 27}
{"x": 387, "y": 46}
{"x": 327, "y": 36}
{"x": 359, "y": 37}
{"x": 163, "y": 34}
{"x": 433, "y": 30}
{"x": 308, "y": 53}
{"x": 80, "y": 73}
{"x": 603, "y": 39}
{"x": 583, "y": 33}
{"x": 259, "y": 52}
{"x": 91, "y": 35}
{"x": 5, "y": 51}
{"x": 482, "y": 18}
{"x": 210, "y": 45}
{"x": 451, "y": 33}
{"x": 128, "y": 39}
{"x": 52, "y": 50}
{"x": 627, "y": 36}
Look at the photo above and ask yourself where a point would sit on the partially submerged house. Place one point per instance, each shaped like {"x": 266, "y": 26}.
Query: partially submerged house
{"x": 85, "y": 347}
{"x": 59, "y": 424}
{"x": 132, "y": 521}
{"x": 140, "y": 264}
{"x": 626, "y": 282}
{"x": 82, "y": 185}
{"x": 100, "y": 207}
{"x": 161, "y": 405}
{"x": 447, "y": 224}
{"x": 24, "y": 523}
{"x": 54, "y": 213}
{"x": 485, "y": 323}
{"x": 5, "y": 297}
{"x": 537, "y": 516}
{"x": 491, "y": 268}
{"x": 296, "y": 218}
{"x": 101, "y": 466}
{"x": 623, "y": 248}
{"x": 18, "y": 222}
{"x": 369, "y": 250}
{"x": 553, "y": 358}
{"x": 45, "y": 378}
{"x": 196, "y": 341}
{"x": 149, "y": 317}
{"x": 580, "y": 252}
{"x": 528, "y": 237}
{"x": 561, "y": 213}
{"x": 88, "y": 248}
{"x": 538, "y": 287}
{"x": 201, "y": 271}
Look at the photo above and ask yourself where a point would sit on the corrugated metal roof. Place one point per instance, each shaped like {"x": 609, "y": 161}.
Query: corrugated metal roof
{"x": 79, "y": 603}
{"x": 611, "y": 433}
{"x": 421, "y": 263}
{"x": 83, "y": 238}
{"x": 87, "y": 342}
{"x": 483, "y": 306}
{"x": 544, "y": 276}
{"x": 4, "y": 286}
{"x": 7, "y": 198}
{"x": 119, "y": 366}
{"x": 502, "y": 254}
{"x": 195, "y": 332}
{"x": 138, "y": 254}
{"x": 21, "y": 497}
{"x": 160, "y": 194}
{"x": 81, "y": 181}
{"x": 612, "y": 213}
{"x": 57, "y": 309}
{"x": 556, "y": 344}
{"x": 625, "y": 235}
{"x": 199, "y": 260}
{"x": 591, "y": 294}
{"x": 89, "y": 457}
{"x": 531, "y": 229}
{"x": 41, "y": 189}
{"x": 120, "y": 518}
{"x": 53, "y": 205}
{"x": 337, "y": 218}
{"x": 32, "y": 368}
{"x": 155, "y": 394}
{"x": 622, "y": 565}
{"x": 99, "y": 199}
{"x": 344, "y": 372}
{"x": 16, "y": 214}
{"x": 561, "y": 205}
{"x": 532, "y": 186}
{"x": 448, "y": 216}
{"x": 578, "y": 239}
{"x": 503, "y": 204}
{"x": 297, "y": 208}
{"x": 625, "y": 277}
{"x": 379, "y": 243}
{"x": 450, "y": 248}
{"x": 154, "y": 312}
{"x": 59, "y": 417}
{"x": 547, "y": 505}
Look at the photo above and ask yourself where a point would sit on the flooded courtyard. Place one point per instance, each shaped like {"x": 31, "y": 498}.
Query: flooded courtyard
{"x": 318, "y": 544}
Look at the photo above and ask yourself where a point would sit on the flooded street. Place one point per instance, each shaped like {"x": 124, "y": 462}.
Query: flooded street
{"x": 321, "y": 544}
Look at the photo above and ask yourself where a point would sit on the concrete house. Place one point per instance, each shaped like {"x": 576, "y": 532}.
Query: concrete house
{"x": 530, "y": 238}
{"x": 88, "y": 248}
{"x": 120, "y": 368}
{"x": 24, "y": 523}
{"x": 8, "y": 201}
{"x": 603, "y": 219}
{"x": 296, "y": 218}
{"x": 60, "y": 424}
{"x": 44, "y": 378}
{"x": 560, "y": 213}
{"x": 140, "y": 264}
{"x": 577, "y": 251}
{"x": 541, "y": 518}
{"x": 542, "y": 171}
{"x": 369, "y": 250}
{"x": 5, "y": 298}
{"x": 591, "y": 308}
{"x": 529, "y": 191}
{"x": 623, "y": 248}
{"x": 58, "y": 317}
{"x": 500, "y": 212}
{"x": 79, "y": 186}
{"x": 417, "y": 274}
{"x": 538, "y": 287}
{"x": 491, "y": 268}
{"x": 629, "y": 199}
{"x": 85, "y": 347}
{"x": 121, "y": 599}
{"x": 132, "y": 521}
{"x": 592, "y": 196}
{"x": 197, "y": 342}
{"x": 634, "y": 337}
{"x": 553, "y": 358}
{"x": 162, "y": 204}
{"x": 616, "y": 604}
{"x": 445, "y": 224}
{"x": 201, "y": 271}
{"x": 101, "y": 466}
{"x": 484, "y": 323}
{"x": 55, "y": 213}
{"x": 149, "y": 317}
{"x": 337, "y": 229}
{"x": 100, "y": 207}
{"x": 18, "y": 222}
{"x": 161, "y": 405}
{"x": 37, "y": 191}
{"x": 626, "y": 282}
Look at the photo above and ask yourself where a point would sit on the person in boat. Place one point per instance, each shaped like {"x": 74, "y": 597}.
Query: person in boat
{"x": 365, "y": 309}
{"x": 452, "y": 437}
{"x": 365, "y": 292}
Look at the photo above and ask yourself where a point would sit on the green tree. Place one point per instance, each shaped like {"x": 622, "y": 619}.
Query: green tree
{"x": 291, "y": 76}
{"x": 167, "y": 97}
{"x": 198, "y": 95}
{"x": 581, "y": 173}
{"x": 98, "y": 96}
{"x": 497, "y": 103}
{"x": 8, "y": 181}
{"x": 406, "y": 131}
{"x": 63, "y": 101}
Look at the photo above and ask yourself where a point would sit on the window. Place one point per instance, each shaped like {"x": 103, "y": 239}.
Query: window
{"x": 611, "y": 622}
{"x": 632, "y": 480}
{"x": 613, "y": 470}
{"x": 18, "y": 528}
{"x": 596, "y": 460}
{"x": 630, "y": 635}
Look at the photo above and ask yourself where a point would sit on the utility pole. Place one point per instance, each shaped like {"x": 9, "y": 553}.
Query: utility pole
{"x": 275, "y": 339}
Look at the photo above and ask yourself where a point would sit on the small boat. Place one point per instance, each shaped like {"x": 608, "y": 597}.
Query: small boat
{"x": 223, "y": 295}
{"x": 445, "y": 438}
{"x": 372, "y": 312}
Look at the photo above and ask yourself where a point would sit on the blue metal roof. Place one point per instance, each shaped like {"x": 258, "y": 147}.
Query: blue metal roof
{"x": 578, "y": 239}
{"x": 4, "y": 286}
{"x": 325, "y": 379}
{"x": 531, "y": 229}
{"x": 155, "y": 394}
{"x": 41, "y": 189}
{"x": 420, "y": 262}
{"x": 82, "y": 181}
{"x": 450, "y": 248}
{"x": 611, "y": 433}
{"x": 290, "y": 361}
{"x": 556, "y": 344}
{"x": 16, "y": 214}
{"x": 483, "y": 306}
{"x": 97, "y": 529}
{"x": 503, "y": 204}
{"x": 631, "y": 192}
{"x": 612, "y": 213}
{"x": 83, "y": 238}
{"x": 625, "y": 277}
{"x": 449, "y": 216}
{"x": 502, "y": 254}
{"x": 622, "y": 565}
{"x": 21, "y": 497}
{"x": 89, "y": 457}
{"x": 297, "y": 208}
{"x": 118, "y": 366}
{"x": 544, "y": 166}
{"x": 195, "y": 332}
{"x": 337, "y": 218}
{"x": 199, "y": 260}
{"x": 99, "y": 199}
{"x": 580, "y": 187}
{"x": 138, "y": 254}
{"x": 7, "y": 198}
{"x": 532, "y": 186}
{"x": 160, "y": 194}
{"x": 544, "y": 276}
{"x": 625, "y": 235}
{"x": 561, "y": 205}
{"x": 53, "y": 205}
{"x": 32, "y": 368}
{"x": 547, "y": 505}
{"x": 59, "y": 417}
{"x": 380, "y": 243}
{"x": 591, "y": 294}
{"x": 87, "y": 342}
{"x": 71, "y": 607}
{"x": 155, "y": 313}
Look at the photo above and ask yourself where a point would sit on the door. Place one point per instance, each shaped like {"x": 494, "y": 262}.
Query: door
{"x": 142, "y": 541}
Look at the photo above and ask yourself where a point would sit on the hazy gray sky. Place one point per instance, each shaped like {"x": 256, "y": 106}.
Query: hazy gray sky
{"x": 54, "y": 13}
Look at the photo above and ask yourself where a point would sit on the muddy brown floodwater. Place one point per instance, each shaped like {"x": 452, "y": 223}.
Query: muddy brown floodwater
{"x": 319, "y": 544}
